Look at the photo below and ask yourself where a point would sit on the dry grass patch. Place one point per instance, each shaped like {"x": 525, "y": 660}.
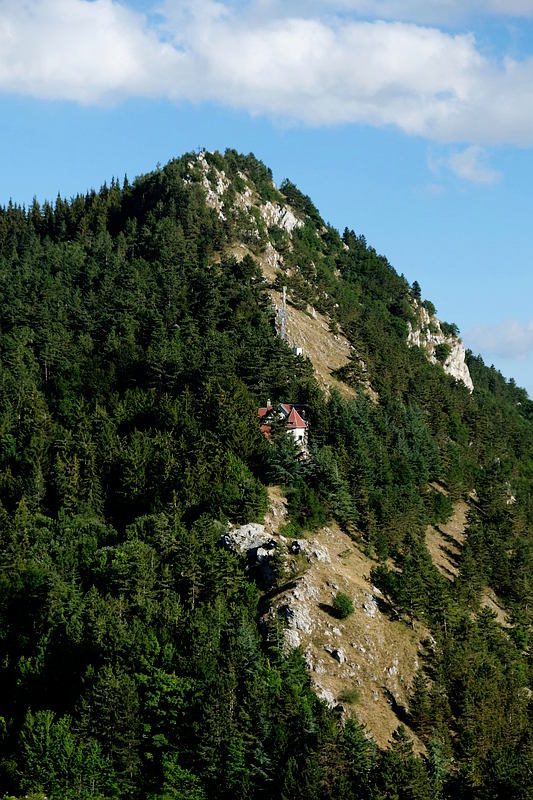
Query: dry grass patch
{"x": 445, "y": 541}
{"x": 365, "y": 662}
{"x": 326, "y": 351}
{"x": 490, "y": 600}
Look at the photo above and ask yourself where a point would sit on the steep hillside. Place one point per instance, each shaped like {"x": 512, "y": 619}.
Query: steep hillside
{"x": 311, "y": 332}
{"x": 305, "y": 328}
{"x": 361, "y": 666}
{"x": 314, "y": 333}
{"x": 177, "y": 589}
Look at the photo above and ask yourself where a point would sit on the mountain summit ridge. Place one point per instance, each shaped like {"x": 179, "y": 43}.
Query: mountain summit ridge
{"x": 424, "y": 329}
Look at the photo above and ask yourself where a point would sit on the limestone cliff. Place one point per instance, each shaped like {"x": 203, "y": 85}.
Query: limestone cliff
{"x": 427, "y": 334}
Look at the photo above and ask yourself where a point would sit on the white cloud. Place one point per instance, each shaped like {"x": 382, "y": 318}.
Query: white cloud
{"x": 508, "y": 339}
{"x": 469, "y": 165}
{"x": 295, "y": 66}
{"x": 90, "y": 52}
{"x": 434, "y": 11}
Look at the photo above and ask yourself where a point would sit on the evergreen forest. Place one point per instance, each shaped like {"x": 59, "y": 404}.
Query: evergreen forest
{"x": 135, "y": 350}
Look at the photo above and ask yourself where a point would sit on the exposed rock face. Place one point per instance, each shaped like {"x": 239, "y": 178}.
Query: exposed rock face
{"x": 428, "y": 334}
{"x": 455, "y": 365}
{"x": 256, "y": 543}
{"x": 215, "y": 183}
{"x": 252, "y": 536}
{"x": 370, "y": 605}
{"x": 297, "y": 618}
{"x": 213, "y": 190}
{"x": 282, "y": 216}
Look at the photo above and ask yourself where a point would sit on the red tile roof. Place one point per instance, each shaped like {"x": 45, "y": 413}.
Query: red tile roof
{"x": 295, "y": 420}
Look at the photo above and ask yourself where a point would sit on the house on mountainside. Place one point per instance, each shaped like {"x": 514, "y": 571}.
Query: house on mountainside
{"x": 294, "y": 417}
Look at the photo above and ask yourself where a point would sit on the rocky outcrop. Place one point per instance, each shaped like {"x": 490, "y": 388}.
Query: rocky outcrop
{"x": 282, "y": 216}
{"x": 214, "y": 189}
{"x": 215, "y": 183}
{"x": 427, "y": 334}
{"x": 368, "y": 655}
{"x": 246, "y": 538}
{"x": 256, "y": 543}
{"x": 455, "y": 365}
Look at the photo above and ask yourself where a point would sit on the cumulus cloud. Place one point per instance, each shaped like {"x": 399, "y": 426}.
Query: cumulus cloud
{"x": 89, "y": 52}
{"x": 296, "y": 65}
{"x": 508, "y": 339}
{"x": 469, "y": 164}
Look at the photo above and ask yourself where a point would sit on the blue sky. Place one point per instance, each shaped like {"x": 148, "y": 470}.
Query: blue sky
{"x": 410, "y": 121}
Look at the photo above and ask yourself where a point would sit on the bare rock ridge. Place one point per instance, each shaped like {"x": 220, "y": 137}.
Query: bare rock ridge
{"x": 216, "y": 183}
{"x": 428, "y": 335}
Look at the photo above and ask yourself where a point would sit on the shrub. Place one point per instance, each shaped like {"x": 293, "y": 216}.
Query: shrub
{"x": 306, "y": 507}
{"x": 440, "y": 508}
{"x": 442, "y": 351}
{"x": 449, "y": 328}
{"x": 350, "y": 695}
{"x": 343, "y": 605}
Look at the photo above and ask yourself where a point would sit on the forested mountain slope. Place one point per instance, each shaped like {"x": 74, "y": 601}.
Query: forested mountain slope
{"x": 137, "y": 340}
